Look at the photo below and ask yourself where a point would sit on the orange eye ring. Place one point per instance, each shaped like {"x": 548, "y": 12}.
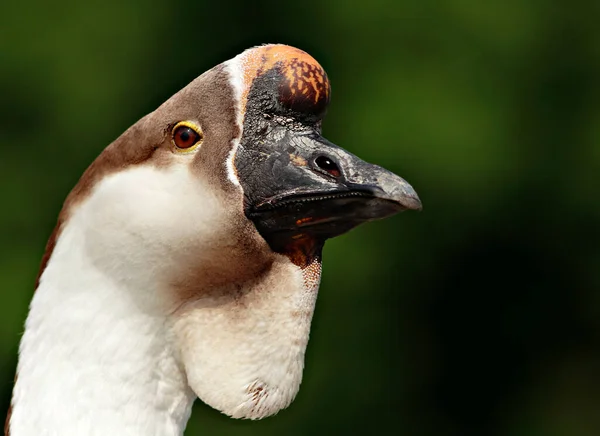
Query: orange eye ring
{"x": 186, "y": 136}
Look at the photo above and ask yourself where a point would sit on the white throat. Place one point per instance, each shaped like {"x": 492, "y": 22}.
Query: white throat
{"x": 93, "y": 360}
{"x": 114, "y": 345}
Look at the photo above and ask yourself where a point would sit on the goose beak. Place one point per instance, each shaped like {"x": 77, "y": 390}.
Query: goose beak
{"x": 308, "y": 186}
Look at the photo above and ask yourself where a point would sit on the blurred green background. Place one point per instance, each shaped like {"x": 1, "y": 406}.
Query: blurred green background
{"x": 478, "y": 316}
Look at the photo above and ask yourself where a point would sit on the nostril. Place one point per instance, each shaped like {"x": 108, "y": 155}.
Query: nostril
{"x": 328, "y": 165}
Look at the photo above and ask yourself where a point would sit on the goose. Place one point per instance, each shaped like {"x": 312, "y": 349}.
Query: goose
{"x": 186, "y": 261}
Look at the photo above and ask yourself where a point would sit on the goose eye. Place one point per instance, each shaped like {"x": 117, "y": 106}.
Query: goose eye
{"x": 186, "y": 136}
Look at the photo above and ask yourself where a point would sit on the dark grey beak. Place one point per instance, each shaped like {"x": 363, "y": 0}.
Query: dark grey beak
{"x": 381, "y": 184}
{"x": 301, "y": 184}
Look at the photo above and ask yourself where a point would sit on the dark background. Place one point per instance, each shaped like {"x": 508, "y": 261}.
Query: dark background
{"x": 478, "y": 316}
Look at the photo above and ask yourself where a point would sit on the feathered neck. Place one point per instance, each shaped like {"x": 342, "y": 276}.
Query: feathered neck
{"x": 94, "y": 358}
{"x": 134, "y": 317}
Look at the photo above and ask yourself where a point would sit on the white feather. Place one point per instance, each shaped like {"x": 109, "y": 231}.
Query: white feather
{"x": 111, "y": 349}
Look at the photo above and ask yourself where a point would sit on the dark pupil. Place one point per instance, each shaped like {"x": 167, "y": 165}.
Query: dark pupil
{"x": 185, "y": 135}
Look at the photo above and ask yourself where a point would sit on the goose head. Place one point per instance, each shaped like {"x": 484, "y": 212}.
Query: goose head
{"x": 186, "y": 261}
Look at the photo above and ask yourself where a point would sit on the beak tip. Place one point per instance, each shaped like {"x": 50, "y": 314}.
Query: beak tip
{"x": 407, "y": 197}
{"x": 412, "y": 202}
{"x": 398, "y": 191}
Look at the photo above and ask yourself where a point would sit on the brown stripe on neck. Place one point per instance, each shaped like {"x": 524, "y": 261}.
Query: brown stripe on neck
{"x": 7, "y": 422}
{"x": 131, "y": 148}
{"x": 48, "y": 251}
{"x": 123, "y": 152}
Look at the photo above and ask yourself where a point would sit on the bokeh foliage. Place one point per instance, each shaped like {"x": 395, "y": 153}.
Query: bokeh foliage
{"x": 478, "y": 316}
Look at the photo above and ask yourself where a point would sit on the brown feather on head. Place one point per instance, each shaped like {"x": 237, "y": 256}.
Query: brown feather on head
{"x": 303, "y": 85}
